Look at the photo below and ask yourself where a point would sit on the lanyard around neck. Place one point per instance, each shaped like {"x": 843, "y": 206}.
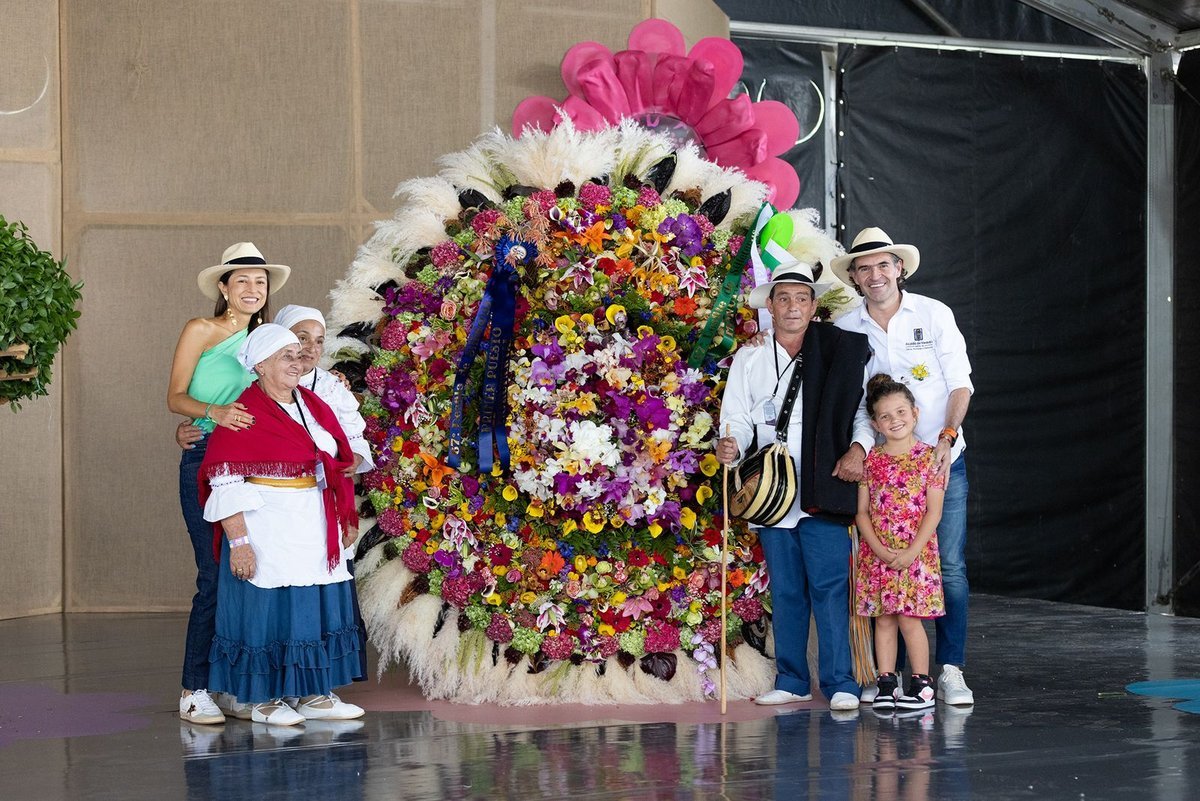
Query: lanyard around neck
{"x": 798, "y": 358}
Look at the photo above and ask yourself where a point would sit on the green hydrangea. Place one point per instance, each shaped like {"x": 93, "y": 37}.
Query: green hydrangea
{"x": 428, "y": 275}
{"x": 568, "y": 203}
{"x": 380, "y": 500}
{"x": 633, "y": 642}
{"x": 514, "y": 209}
{"x": 371, "y": 407}
{"x": 479, "y": 616}
{"x": 436, "y": 577}
{"x": 527, "y": 641}
{"x": 386, "y": 359}
{"x": 623, "y": 198}
{"x": 464, "y": 237}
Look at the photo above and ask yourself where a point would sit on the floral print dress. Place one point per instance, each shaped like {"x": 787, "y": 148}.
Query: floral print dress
{"x": 896, "y": 486}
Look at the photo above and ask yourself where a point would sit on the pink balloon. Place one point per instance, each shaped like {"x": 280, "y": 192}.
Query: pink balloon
{"x": 779, "y": 123}
{"x": 576, "y": 58}
{"x": 664, "y": 76}
{"x": 694, "y": 91}
{"x": 635, "y": 70}
{"x": 781, "y": 177}
{"x": 601, "y": 88}
{"x": 727, "y": 61}
{"x": 537, "y": 112}
{"x": 584, "y": 116}
{"x": 725, "y": 120}
{"x": 742, "y": 151}
{"x": 657, "y": 36}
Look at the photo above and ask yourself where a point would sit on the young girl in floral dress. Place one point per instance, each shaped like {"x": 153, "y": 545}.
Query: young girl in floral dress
{"x": 899, "y": 580}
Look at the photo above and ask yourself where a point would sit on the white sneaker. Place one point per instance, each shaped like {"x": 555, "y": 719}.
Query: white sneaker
{"x": 869, "y": 693}
{"x": 231, "y": 707}
{"x": 776, "y": 697}
{"x": 276, "y": 712}
{"x": 328, "y": 707}
{"x": 198, "y": 707}
{"x": 952, "y": 688}
{"x": 843, "y": 701}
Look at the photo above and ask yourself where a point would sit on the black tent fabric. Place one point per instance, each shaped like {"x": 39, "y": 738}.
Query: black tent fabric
{"x": 1187, "y": 338}
{"x": 974, "y": 19}
{"x": 1022, "y": 181}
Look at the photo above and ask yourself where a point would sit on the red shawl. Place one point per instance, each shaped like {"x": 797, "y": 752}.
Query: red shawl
{"x": 276, "y": 446}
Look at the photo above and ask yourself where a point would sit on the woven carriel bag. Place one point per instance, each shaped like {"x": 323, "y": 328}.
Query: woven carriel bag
{"x": 765, "y": 483}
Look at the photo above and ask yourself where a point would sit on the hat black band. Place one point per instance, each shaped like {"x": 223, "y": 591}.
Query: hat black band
{"x": 248, "y": 260}
{"x": 870, "y": 246}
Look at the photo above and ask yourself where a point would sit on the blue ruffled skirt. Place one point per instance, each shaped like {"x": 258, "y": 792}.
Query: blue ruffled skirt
{"x": 287, "y": 641}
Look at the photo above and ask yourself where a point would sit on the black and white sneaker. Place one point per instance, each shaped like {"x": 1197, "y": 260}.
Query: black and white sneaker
{"x": 920, "y": 693}
{"x": 887, "y": 692}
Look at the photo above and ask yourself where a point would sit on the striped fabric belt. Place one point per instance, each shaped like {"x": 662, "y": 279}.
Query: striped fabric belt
{"x": 303, "y": 482}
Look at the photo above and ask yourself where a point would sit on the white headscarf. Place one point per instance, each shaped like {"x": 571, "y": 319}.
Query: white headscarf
{"x": 263, "y": 343}
{"x": 291, "y": 314}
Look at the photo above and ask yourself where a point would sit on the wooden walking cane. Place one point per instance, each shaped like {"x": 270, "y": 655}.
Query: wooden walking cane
{"x": 724, "y": 567}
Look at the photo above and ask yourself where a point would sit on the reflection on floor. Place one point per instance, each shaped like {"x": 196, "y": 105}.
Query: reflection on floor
{"x": 87, "y": 711}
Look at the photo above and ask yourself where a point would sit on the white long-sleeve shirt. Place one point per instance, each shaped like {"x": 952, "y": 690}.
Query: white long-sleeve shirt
{"x": 331, "y": 390}
{"x": 923, "y": 349}
{"x": 754, "y": 393}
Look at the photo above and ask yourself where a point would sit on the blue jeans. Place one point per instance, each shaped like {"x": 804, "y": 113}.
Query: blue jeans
{"x": 952, "y": 545}
{"x": 202, "y": 623}
{"x": 809, "y": 566}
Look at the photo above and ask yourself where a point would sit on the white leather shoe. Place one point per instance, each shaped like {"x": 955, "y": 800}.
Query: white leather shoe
{"x": 328, "y": 707}
{"x": 843, "y": 701}
{"x": 198, "y": 707}
{"x": 952, "y": 688}
{"x": 776, "y": 697}
{"x": 276, "y": 713}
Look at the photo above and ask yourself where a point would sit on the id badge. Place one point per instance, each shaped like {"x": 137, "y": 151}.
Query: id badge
{"x": 769, "y": 411}
{"x": 321, "y": 475}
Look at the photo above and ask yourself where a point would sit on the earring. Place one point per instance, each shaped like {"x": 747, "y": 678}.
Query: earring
{"x": 232, "y": 317}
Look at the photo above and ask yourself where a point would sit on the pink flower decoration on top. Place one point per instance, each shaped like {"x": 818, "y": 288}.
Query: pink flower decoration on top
{"x": 656, "y": 79}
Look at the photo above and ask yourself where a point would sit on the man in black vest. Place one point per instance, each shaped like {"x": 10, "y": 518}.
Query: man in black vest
{"x": 808, "y": 550}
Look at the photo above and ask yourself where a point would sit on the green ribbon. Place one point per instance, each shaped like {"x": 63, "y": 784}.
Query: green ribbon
{"x": 716, "y": 338}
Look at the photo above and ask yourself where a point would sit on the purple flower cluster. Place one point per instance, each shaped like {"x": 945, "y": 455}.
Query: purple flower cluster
{"x": 688, "y": 236}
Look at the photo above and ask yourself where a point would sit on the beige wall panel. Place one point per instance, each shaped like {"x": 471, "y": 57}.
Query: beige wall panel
{"x": 28, "y": 75}
{"x": 31, "y": 440}
{"x": 528, "y": 64}
{"x": 696, "y": 18}
{"x": 127, "y": 547}
{"x": 421, "y": 95}
{"x": 219, "y": 106}
{"x": 29, "y": 193}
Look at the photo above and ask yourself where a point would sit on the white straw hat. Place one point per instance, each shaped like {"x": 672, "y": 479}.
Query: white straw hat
{"x": 243, "y": 254}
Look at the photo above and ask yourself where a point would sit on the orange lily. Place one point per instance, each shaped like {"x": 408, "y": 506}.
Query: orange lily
{"x": 437, "y": 470}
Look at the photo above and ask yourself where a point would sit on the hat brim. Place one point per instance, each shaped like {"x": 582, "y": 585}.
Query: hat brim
{"x": 277, "y": 274}
{"x": 840, "y": 265}
{"x": 760, "y": 294}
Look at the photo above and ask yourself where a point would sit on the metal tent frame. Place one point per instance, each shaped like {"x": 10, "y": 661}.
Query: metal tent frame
{"x": 1133, "y": 36}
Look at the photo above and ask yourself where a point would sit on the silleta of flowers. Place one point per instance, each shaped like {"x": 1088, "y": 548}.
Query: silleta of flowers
{"x": 543, "y": 404}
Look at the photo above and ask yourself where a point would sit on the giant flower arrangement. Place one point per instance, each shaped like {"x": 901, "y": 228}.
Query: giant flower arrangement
{"x": 542, "y": 399}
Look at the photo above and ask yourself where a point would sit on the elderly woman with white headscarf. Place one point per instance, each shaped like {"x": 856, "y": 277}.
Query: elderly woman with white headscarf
{"x": 282, "y": 508}
{"x": 308, "y": 324}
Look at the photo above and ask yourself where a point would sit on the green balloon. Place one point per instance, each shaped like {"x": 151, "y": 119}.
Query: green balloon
{"x": 779, "y": 228}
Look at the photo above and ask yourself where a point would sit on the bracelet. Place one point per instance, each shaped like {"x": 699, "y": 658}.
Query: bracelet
{"x": 950, "y": 434}
{"x": 240, "y": 541}
{"x": 207, "y": 409}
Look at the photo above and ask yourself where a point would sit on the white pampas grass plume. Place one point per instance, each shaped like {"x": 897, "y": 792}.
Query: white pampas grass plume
{"x": 353, "y": 304}
{"x": 477, "y": 166}
{"x": 546, "y": 159}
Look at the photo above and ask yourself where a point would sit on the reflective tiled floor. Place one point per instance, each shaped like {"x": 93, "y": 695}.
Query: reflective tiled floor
{"x": 87, "y": 711}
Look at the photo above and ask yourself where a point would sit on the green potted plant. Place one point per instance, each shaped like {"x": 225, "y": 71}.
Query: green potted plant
{"x": 37, "y": 312}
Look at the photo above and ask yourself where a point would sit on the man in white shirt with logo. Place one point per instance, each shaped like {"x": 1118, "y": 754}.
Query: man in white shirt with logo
{"x": 916, "y": 341}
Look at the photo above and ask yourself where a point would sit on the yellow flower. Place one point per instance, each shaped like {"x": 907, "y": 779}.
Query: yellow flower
{"x": 587, "y": 320}
{"x": 616, "y": 521}
{"x": 493, "y": 599}
{"x": 510, "y": 493}
{"x": 528, "y": 597}
{"x": 501, "y": 520}
{"x": 645, "y": 331}
{"x": 606, "y": 630}
{"x": 618, "y": 598}
{"x": 703, "y": 493}
{"x": 709, "y": 465}
{"x": 687, "y": 517}
{"x": 919, "y": 372}
{"x": 612, "y": 311}
{"x": 500, "y": 570}
{"x": 586, "y": 403}
{"x": 655, "y": 530}
{"x": 497, "y": 470}
{"x": 667, "y": 344}
{"x": 534, "y": 509}
{"x": 581, "y": 564}
{"x": 663, "y": 586}
{"x": 569, "y": 527}
{"x": 564, "y": 324}
{"x": 679, "y": 573}
{"x": 593, "y": 522}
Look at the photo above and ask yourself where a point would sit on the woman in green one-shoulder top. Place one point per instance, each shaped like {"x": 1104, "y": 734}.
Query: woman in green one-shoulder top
{"x": 206, "y": 379}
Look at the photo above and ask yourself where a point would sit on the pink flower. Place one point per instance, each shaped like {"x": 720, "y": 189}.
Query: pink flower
{"x": 499, "y": 629}
{"x": 658, "y": 81}
{"x": 444, "y": 254}
{"x": 485, "y": 221}
{"x": 457, "y": 591}
{"x": 592, "y": 195}
{"x": 710, "y": 630}
{"x": 748, "y": 609}
{"x": 391, "y": 522}
{"x": 415, "y": 558}
{"x": 560, "y": 647}
{"x": 607, "y": 645}
{"x": 648, "y": 197}
{"x": 661, "y": 637}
